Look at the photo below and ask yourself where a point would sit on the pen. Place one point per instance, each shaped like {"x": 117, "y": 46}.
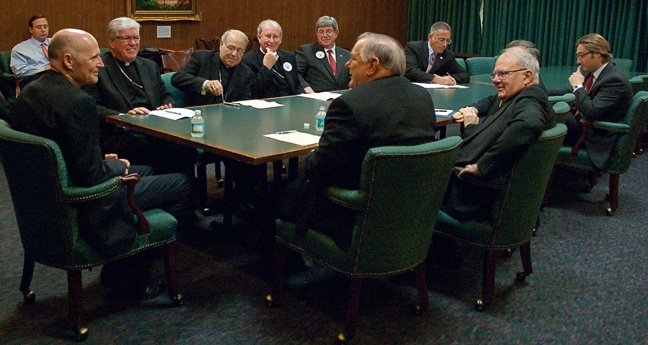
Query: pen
{"x": 442, "y": 110}
{"x": 232, "y": 104}
{"x": 286, "y": 132}
{"x": 173, "y": 112}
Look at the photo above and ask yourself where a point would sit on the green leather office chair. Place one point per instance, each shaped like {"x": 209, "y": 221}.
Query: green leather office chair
{"x": 568, "y": 98}
{"x": 624, "y": 64}
{"x": 636, "y": 83}
{"x": 628, "y": 130}
{"x": 639, "y": 147}
{"x": 9, "y": 84}
{"x": 562, "y": 110}
{"x": 388, "y": 205}
{"x": 178, "y": 96}
{"x": 462, "y": 62}
{"x": 514, "y": 213}
{"x": 46, "y": 205}
{"x": 480, "y": 65}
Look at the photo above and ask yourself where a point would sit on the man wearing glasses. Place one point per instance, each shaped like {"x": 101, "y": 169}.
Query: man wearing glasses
{"x": 322, "y": 65}
{"x": 431, "y": 62}
{"x": 602, "y": 92}
{"x": 131, "y": 84}
{"x": 498, "y": 130}
{"x": 216, "y": 76}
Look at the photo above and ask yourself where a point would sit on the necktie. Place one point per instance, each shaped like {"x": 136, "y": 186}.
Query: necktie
{"x": 44, "y": 47}
{"x": 431, "y": 62}
{"x": 588, "y": 86}
{"x": 332, "y": 62}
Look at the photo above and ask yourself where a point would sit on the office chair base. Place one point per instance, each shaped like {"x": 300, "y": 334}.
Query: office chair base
{"x": 521, "y": 277}
{"x": 480, "y": 305}
{"x": 80, "y": 334}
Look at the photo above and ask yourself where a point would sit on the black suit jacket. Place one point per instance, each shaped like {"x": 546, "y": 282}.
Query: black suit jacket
{"x": 55, "y": 109}
{"x": 206, "y": 65}
{"x": 317, "y": 73}
{"x": 264, "y": 82}
{"x": 111, "y": 92}
{"x": 365, "y": 117}
{"x": 418, "y": 56}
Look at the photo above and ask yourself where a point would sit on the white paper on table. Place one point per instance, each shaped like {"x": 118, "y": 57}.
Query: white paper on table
{"x": 298, "y": 138}
{"x": 439, "y": 86}
{"x": 173, "y": 113}
{"x": 443, "y": 112}
{"x": 322, "y": 96}
{"x": 259, "y": 104}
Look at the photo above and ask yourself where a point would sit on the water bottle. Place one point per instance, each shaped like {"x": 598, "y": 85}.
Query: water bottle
{"x": 319, "y": 119}
{"x": 197, "y": 125}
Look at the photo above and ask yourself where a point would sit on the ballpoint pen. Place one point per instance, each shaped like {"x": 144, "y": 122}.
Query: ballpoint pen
{"x": 232, "y": 104}
{"x": 173, "y": 112}
{"x": 286, "y": 132}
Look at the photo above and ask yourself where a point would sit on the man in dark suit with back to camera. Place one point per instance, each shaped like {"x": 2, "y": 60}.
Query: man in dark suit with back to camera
{"x": 216, "y": 76}
{"x": 315, "y": 61}
{"x": 431, "y": 62}
{"x": 603, "y": 93}
{"x": 498, "y": 131}
{"x": 54, "y": 107}
{"x": 132, "y": 85}
{"x": 275, "y": 69}
{"x": 383, "y": 108}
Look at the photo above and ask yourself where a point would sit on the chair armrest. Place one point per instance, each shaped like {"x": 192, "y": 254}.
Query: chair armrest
{"x": 349, "y": 198}
{"x": 612, "y": 126}
{"x": 131, "y": 180}
{"x": 8, "y": 76}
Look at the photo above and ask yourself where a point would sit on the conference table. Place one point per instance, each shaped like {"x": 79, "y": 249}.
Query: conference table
{"x": 236, "y": 133}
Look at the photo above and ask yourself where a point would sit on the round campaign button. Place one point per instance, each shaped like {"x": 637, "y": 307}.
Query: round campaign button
{"x": 287, "y": 66}
{"x": 319, "y": 54}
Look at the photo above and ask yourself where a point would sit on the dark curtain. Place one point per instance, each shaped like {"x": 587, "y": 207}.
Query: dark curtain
{"x": 554, "y": 25}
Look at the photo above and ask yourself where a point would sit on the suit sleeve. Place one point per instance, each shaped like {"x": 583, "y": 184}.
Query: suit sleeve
{"x": 608, "y": 97}
{"x": 261, "y": 78}
{"x": 413, "y": 71}
{"x": 456, "y": 71}
{"x": 302, "y": 66}
{"x": 186, "y": 79}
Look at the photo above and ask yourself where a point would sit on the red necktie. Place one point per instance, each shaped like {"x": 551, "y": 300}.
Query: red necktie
{"x": 431, "y": 62}
{"x": 44, "y": 47}
{"x": 332, "y": 62}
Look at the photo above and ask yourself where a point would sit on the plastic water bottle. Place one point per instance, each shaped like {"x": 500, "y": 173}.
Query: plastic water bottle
{"x": 319, "y": 119}
{"x": 197, "y": 125}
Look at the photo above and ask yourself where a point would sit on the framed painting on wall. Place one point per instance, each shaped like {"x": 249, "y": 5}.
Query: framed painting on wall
{"x": 162, "y": 10}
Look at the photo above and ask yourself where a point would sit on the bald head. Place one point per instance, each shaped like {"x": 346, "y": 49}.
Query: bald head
{"x": 75, "y": 54}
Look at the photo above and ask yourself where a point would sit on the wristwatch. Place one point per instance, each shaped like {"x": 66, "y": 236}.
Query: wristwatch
{"x": 577, "y": 86}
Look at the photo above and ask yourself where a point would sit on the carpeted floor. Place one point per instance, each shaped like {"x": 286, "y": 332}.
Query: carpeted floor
{"x": 588, "y": 287}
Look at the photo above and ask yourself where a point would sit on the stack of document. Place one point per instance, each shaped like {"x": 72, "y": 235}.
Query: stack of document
{"x": 173, "y": 113}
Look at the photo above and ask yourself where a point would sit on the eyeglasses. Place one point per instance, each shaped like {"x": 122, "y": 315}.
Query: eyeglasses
{"x": 443, "y": 40}
{"x": 232, "y": 49}
{"x": 582, "y": 55}
{"x": 326, "y": 32}
{"x": 505, "y": 74}
{"x": 128, "y": 38}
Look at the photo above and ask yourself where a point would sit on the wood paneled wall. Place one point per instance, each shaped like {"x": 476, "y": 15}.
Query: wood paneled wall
{"x": 296, "y": 17}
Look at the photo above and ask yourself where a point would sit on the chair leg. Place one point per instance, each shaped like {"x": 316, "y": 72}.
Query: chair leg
{"x": 488, "y": 280}
{"x": 421, "y": 286}
{"x": 352, "y": 310}
{"x": 25, "y": 282}
{"x": 75, "y": 299}
{"x": 525, "y": 255}
{"x": 279, "y": 270}
{"x": 277, "y": 168}
{"x": 171, "y": 274}
{"x": 201, "y": 182}
{"x": 614, "y": 194}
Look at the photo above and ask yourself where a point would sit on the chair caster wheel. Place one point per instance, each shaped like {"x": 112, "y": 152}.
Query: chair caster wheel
{"x": 520, "y": 277}
{"x": 609, "y": 212}
{"x": 509, "y": 252}
{"x": 178, "y": 301}
{"x": 269, "y": 300}
{"x": 535, "y": 230}
{"x": 29, "y": 297}
{"x": 80, "y": 334}
{"x": 480, "y": 306}
{"x": 220, "y": 182}
{"x": 343, "y": 338}
{"x": 418, "y": 309}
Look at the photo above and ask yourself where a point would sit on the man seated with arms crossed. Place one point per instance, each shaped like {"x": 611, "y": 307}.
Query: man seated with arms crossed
{"x": 29, "y": 58}
{"x": 363, "y": 118}
{"x": 54, "y": 107}
{"x": 498, "y": 131}
{"x": 131, "y": 84}
{"x": 216, "y": 76}
{"x": 603, "y": 93}
{"x": 322, "y": 65}
{"x": 431, "y": 62}
{"x": 275, "y": 70}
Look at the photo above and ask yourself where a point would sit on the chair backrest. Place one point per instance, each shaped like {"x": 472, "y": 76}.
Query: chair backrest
{"x": 8, "y": 81}
{"x": 178, "y": 96}
{"x": 514, "y": 213}
{"x": 36, "y": 174}
{"x": 203, "y": 43}
{"x": 174, "y": 60}
{"x": 404, "y": 187}
{"x": 624, "y": 64}
{"x": 461, "y": 62}
{"x": 635, "y": 119}
{"x": 480, "y": 65}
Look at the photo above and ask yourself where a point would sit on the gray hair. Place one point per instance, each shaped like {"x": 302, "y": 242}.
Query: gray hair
{"x": 325, "y": 21}
{"x": 439, "y": 26}
{"x": 530, "y": 47}
{"x": 387, "y": 50}
{"x": 122, "y": 23}
{"x": 232, "y": 31}
{"x": 525, "y": 60}
{"x": 269, "y": 21}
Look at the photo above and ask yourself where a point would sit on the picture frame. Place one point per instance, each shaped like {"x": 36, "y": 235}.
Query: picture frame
{"x": 163, "y": 10}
